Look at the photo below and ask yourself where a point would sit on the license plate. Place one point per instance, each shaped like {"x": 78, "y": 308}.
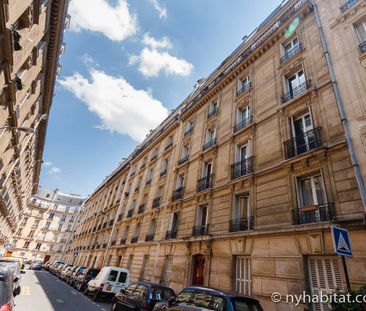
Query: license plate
{"x": 109, "y": 288}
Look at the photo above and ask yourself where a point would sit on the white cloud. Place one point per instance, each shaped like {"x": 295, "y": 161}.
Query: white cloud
{"x": 161, "y": 9}
{"x": 54, "y": 170}
{"x": 117, "y": 23}
{"x": 47, "y": 163}
{"x": 152, "y": 60}
{"x": 163, "y": 43}
{"x": 120, "y": 107}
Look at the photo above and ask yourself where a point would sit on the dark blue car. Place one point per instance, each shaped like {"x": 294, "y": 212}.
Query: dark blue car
{"x": 197, "y": 298}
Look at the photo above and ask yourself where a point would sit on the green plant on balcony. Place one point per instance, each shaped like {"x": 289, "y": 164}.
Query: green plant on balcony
{"x": 348, "y": 304}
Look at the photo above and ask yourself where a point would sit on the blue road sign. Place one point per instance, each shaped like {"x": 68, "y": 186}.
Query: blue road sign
{"x": 341, "y": 241}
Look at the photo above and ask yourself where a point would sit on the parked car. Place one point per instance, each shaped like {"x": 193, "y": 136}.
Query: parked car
{"x": 72, "y": 277}
{"x": 83, "y": 278}
{"x": 14, "y": 268}
{"x": 36, "y": 265}
{"x": 7, "y": 292}
{"x": 195, "y": 298}
{"x": 65, "y": 272}
{"x": 141, "y": 296}
{"x": 108, "y": 282}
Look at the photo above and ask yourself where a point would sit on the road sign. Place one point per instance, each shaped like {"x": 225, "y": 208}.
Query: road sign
{"x": 341, "y": 241}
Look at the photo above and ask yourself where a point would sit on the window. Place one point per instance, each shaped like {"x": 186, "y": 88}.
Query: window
{"x": 63, "y": 218}
{"x": 241, "y": 207}
{"x": 26, "y": 244}
{"x": 36, "y": 223}
{"x": 31, "y": 233}
{"x": 24, "y": 222}
{"x": 112, "y": 277}
{"x": 210, "y": 135}
{"x": 38, "y": 246}
{"x": 59, "y": 227}
{"x": 180, "y": 182}
{"x": 14, "y": 244}
{"x": 311, "y": 190}
{"x": 68, "y": 228}
{"x": 188, "y": 127}
{"x": 152, "y": 227}
{"x": 243, "y": 114}
{"x": 51, "y": 215}
{"x": 129, "y": 263}
{"x": 67, "y": 209}
{"x": 167, "y": 269}
{"x": 137, "y": 230}
{"x": 175, "y": 222}
{"x": 243, "y": 85}
{"x": 184, "y": 154}
{"x": 201, "y": 215}
{"x": 149, "y": 176}
{"x": 361, "y": 30}
{"x": 213, "y": 108}
{"x": 19, "y": 232}
{"x": 164, "y": 167}
{"x": 122, "y": 275}
{"x": 169, "y": 142}
{"x": 242, "y": 275}
{"x": 294, "y": 84}
{"x": 290, "y": 49}
{"x": 47, "y": 225}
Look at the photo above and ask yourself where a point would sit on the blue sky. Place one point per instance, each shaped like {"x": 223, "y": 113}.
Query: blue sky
{"x": 127, "y": 64}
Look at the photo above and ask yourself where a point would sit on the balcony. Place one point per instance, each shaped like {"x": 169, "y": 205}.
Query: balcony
{"x": 134, "y": 239}
{"x": 296, "y": 91}
{"x": 156, "y": 202}
{"x": 137, "y": 189}
{"x": 303, "y": 143}
{"x": 120, "y": 216}
{"x": 95, "y": 228}
{"x": 183, "y": 159}
{"x": 154, "y": 157}
{"x": 171, "y": 234}
{"x": 110, "y": 224}
{"x": 347, "y": 5}
{"x": 168, "y": 145}
{"x": 362, "y": 47}
{"x": 244, "y": 88}
{"x": 242, "y": 168}
{"x": 209, "y": 144}
{"x": 178, "y": 194}
{"x": 241, "y": 224}
{"x": 243, "y": 124}
{"x": 148, "y": 182}
{"x": 129, "y": 213}
{"x": 105, "y": 225}
{"x": 205, "y": 183}
{"x": 127, "y": 193}
{"x": 114, "y": 242}
{"x": 200, "y": 230}
{"x": 290, "y": 53}
{"x": 149, "y": 237}
{"x": 212, "y": 112}
{"x": 123, "y": 241}
{"x": 188, "y": 131}
{"x": 163, "y": 173}
{"x": 313, "y": 214}
{"x": 99, "y": 227}
{"x": 141, "y": 209}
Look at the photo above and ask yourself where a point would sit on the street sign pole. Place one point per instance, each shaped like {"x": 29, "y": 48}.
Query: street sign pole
{"x": 346, "y": 273}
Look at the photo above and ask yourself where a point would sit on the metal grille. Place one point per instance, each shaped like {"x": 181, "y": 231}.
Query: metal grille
{"x": 167, "y": 269}
{"x": 242, "y": 275}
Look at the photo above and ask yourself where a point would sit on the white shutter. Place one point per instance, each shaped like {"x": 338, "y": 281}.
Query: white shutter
{"x": 324, "y": 276}
{"x": 167, "y": 269}
{"x": 242, "y": 275}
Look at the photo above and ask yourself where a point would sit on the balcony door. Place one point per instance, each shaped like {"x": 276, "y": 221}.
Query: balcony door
{"x": 294, "y": 81}
{"x": 243, "y": 114}
{"x": 311, "y": 191}
{"x": 207, "y": 171}
{"x": 304, "y": 137}
{"x": 241, "y": 207}
{"x": 242, "y": 154}
{"x": 202, "y": 216}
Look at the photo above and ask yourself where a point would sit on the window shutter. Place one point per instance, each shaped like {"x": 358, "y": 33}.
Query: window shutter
{"x": 242, "y": 275}
{"x": 167, "y": 269}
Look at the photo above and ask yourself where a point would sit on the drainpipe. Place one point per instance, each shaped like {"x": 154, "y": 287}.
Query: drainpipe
{"x": 340, "y": 105}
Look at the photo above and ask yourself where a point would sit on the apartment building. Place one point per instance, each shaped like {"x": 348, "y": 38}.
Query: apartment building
{"x": 47, "y": 226}
{"x": 31, "y": 34}
{"x": 238, "y": 188}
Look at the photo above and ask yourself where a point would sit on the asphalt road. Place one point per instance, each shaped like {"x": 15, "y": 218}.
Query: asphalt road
{"x": 42, "y": 291}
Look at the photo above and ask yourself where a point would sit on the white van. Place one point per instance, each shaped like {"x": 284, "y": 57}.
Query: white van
{"x": 108, "y": 282}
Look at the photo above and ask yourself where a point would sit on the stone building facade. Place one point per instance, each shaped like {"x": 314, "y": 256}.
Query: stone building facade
{"x": 31, "y": 33}
{"x": 47, "y": 227}
{"x": 238, "y": 188}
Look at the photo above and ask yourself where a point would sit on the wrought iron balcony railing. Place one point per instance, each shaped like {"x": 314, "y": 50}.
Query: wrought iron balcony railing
{"x": 200, "y": 230}
{"x": 242, "y": 168}
{"x": 362, "y": 47}
{"x": 163, "y": 173}
{"x": 156, "y": 202}
{"x": 148, "y": 182}
{"x": 178, "y": 194}
{"x": 183, "y": 159}
{"x": 123, "y": 241}
{"x": 347, "y": 5}
{"x": 296, "y": 91}
{"x": 292, "y": 52}
{"x": 212, "y": 112}
{"x": 205, "y": 183}
{"x": 313, "y": 214}
{"x": 149, "y": 237}
{"x": 209, "y": 144}
{"x": 172, "y": 234}
{"x": 168, "y": 145}
{"x": 244, "y": 88}
{"x": 243, "y": 124}
{"x": 303, "y": 143}
{"x": 134, "y": 239}
{"x": 141, "y": 209}
{"x": 241, "y": 224}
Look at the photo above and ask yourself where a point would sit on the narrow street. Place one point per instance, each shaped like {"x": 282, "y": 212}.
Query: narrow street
{"x": 45, "y": 292}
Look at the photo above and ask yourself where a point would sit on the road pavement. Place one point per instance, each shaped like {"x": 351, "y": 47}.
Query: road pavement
{"x": 42, "y": 291}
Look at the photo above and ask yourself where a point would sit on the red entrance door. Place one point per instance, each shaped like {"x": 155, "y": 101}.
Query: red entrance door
{"x": 198, "y": 270}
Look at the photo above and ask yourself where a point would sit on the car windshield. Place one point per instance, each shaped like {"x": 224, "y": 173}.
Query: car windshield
{"x": 240, "y": 304}
{"x": 202, "y": 299}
